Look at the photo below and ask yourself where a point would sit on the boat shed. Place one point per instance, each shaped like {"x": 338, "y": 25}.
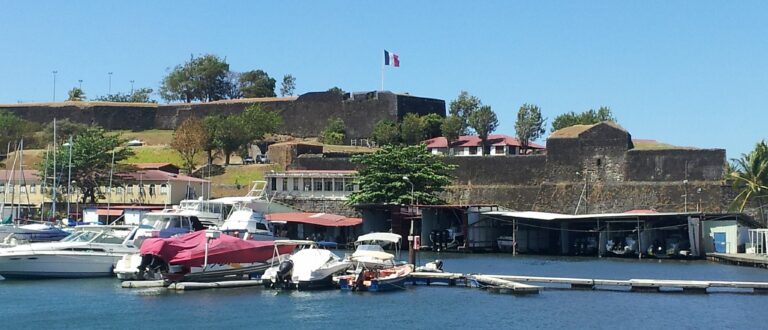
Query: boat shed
{"x": 634, "y": 233}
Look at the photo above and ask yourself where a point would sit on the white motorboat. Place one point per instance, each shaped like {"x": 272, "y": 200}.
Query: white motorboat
{"x": 39, "y": 232}
{"x": 90, "y": 251}
{"x": 306, "y": 269}
{"x": 369, "y": 251}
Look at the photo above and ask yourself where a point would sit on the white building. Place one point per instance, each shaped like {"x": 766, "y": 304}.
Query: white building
{"x": 470, "y": 145}
{"x": 311, "y": 184}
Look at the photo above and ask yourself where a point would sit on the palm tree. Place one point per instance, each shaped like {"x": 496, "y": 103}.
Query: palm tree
{"x": 750, "y": 175}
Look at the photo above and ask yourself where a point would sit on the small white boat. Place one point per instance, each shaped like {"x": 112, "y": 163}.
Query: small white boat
{"x": 375, "y": 269}
{"x": 90, "y": 251}
{"x": 369, "y": 251}
{"x": 306, "y": 269}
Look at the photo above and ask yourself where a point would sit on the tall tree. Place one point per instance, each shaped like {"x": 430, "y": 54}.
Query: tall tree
{"x": 451, "y": 129}
{"x": 463, "y": 107}
{"x": 13, "y": 129}
{"x": 288, "y": 85}
{"x": 214, "y": 126}
{"x": 484, "y": 122}
{"x": 337, "y": 90}
{"x": 588, "y": 117}
{"x": 257, "y": 83}
{"x": 202, "y": 78}
{"x": 412, "y": 129}
{"x": 92, "y": 152}
{"x": 431, "y": 123}
{"x": 75, "y": 94}
{"x": 529, "y": 125}
{"x": 235, "y": 132}
{"x": 750, "y": 177}
{"x": 386, "y": 132}
{"x": 189, "y": 139}
{"x": 381, "y": 176}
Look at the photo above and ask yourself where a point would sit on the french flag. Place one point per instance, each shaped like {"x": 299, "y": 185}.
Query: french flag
{"x": 391, "y": 59}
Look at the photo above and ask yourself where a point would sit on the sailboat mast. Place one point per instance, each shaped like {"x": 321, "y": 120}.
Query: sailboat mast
{"x": 23, "y": 178}
{"x": 53, "y": 200}
{"x": 45, "y": 182}
{"x": 69, "y": 176}
{"x": 111, "y": 169}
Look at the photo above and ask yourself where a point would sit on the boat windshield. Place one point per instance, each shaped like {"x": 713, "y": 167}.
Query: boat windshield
{"x": 80, "y": 236}
{"x": 164, "y": 221}
{"x": 365, "y": 247}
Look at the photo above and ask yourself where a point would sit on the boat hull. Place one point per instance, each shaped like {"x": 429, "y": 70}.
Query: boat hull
{"x": 41, "y": 265}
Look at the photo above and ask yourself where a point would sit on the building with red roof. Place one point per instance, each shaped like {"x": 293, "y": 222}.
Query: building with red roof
{"x": 471, "y": 145}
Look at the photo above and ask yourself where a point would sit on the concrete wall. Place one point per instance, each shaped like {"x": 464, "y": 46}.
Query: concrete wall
{"x": 675, "y": 165}
{"x": 729, "y": 227}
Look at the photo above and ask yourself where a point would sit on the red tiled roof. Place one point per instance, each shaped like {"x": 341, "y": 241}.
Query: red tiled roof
{"x": 158, "y": 175}
{"x": 474, "y": 141}
{"x": 152, "y": 166}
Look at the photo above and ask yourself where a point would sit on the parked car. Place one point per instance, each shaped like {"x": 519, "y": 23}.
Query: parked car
{"x": 261, "y": 159}
{"x": 248, "y": 160}
{"x": 135, "y": 143}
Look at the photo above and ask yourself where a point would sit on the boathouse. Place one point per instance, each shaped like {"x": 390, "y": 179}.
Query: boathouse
{"x": 633, "y": 233}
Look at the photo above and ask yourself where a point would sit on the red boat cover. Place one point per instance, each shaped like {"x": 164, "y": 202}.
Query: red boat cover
{"x": 189, "y": 249}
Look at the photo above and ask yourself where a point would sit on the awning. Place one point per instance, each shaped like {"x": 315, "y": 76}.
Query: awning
{"x": 110, "y": 212}
{"x": 321, "y": 219}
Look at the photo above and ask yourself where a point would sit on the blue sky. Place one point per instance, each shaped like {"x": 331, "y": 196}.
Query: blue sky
{"x": 689, "y": 73}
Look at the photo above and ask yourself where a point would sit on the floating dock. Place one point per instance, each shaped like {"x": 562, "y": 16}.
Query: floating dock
{"x": 517, "y": 284}
{"x": 740, "y": 259}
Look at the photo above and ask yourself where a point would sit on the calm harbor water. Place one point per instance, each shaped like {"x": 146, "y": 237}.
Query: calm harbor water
{"x": 102, "y": 304}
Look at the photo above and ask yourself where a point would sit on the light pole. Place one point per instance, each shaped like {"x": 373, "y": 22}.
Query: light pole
{"x": 54, "y": 84}
{"x": 132, "y": 81}
{"x": 411, "y": 239}
{"x": 80, "y": 84}
{"x": 109, "y": 91}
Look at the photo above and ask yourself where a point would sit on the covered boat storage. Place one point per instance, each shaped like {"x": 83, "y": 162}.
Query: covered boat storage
{"x": 631, "y": 234}
{"x": 315, "y": 226}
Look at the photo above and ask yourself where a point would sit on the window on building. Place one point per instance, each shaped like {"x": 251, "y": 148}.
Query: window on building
{"x": 318, "y": 184}
{"x": 23, "y": 188}
{"x": 512, "y": 150}
{"x": 598, "y": 162}
{"x": 273, "y": 184}
{"x": 338, "y": 185}
{"x": 120, "y": 190}
{"x": 307, "y": 184}
{"x": 473, "y": 150}
{"x": 328, "y": 184}
{"x": 285, "y": 184}
{"x": 2, "y": 187}
{"x": 295, "y": 184}
{"x": 164, "y": 189}
{"x": 130, "y": 188}
{"x": 499, "y": 150}
{"x": 349, "y": 184}
{"x": 32, "y": 188}
{"x": 152, "y": 191}
{"x": 142, "y": 192}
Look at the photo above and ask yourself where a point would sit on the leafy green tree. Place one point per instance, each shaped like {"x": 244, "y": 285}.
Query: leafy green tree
{"x": 431, "y": 123}
{"x": 13, "y": 129}
{"x": 260, "y": 122}
{"x": 484, "y": 122}
{"x": 64, "y": 129}
{"x": 588, "y": 117}
{"x": 202, "y": 78}
{"x": 529, "y": 125}
{"x": 463, "y": 107}
{"x": 451, "y": 128}
{"x": 381, "y": 176}
{"x": 750, "y": 177}
{"x": 336, "y": 90}
{"x": 257, "y": 83}
{"x": 141, "y": 95}
{"x": 334, "y": 132}
{"x": 412, "y": 129}
{"x": 189, "y": 139}
{"x": 288, "y": 85}
{"x": 92, "y": 152}
{"x": 214, "y": 126}
{"x": 386, "y": 132}
{"x": 233, "y": 133}
{"x": 75, "y": 94}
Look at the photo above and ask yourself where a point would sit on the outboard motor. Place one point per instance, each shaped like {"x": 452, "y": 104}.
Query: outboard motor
{"x": 439, "y": 264}
{"x": 284, "y": 272}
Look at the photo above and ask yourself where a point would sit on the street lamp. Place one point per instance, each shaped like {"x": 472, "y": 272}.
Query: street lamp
{"x": 80, "y": 84}
{"x": 132, "y": 81}
{"x": 110, "y": 83}
{"x": 405, "y": 177}
{"x": 54, "y": 84}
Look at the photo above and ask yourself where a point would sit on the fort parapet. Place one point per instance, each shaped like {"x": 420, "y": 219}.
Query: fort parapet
{"x": 303, "y": 116}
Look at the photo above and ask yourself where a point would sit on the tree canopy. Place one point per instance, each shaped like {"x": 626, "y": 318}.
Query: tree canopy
{"x": 381, "y": 176}
{"x": 750, "y": 178}
{"x": 484, "y": 122}
{"x": 432, "y": 125}
{"x": 463, "y": 107}
{"x": 257, "y": 83}
{"x": 92, "y": 152}
{"x": 386, "y": 132}
{"x": 412, "y": 129}
{"x": 75, "y": 94}
{"x": 13, "y": 129}
{"x": 529, "y": 125}
{"x": 585, "y": 118}
{"x": 334, "y": 132}
{"x": 189, "y": 139}
{"x": 451, "y": 128}
{"x": 288, "y": 85}
{"x": 204, "y": 78}
{"x": 141, "y": 95}
{"x": 235, "y": 132}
